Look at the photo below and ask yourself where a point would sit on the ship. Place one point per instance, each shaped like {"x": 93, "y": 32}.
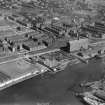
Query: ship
{"x": 96, "y": 93}
{"x": 90, "y": 99}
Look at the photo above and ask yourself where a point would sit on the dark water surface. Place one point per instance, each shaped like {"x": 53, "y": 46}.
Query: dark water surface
{"x": 55, "y": 89}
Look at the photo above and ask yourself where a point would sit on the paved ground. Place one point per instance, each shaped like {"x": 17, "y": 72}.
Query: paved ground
{"x": 57, "y": 89}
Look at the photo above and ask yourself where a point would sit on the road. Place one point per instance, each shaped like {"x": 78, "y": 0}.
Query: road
{"x": 18, "y": 56}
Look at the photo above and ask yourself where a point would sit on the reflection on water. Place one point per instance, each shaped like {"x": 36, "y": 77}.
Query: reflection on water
{"x": 57, "y": 89}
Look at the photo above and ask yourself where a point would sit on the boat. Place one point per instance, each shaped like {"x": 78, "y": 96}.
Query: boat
{"x": 96, "y": 93}
{"x": 90, "y": 99}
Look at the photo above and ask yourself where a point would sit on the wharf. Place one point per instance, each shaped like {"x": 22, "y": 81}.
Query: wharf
{"x": 18, "y": 71}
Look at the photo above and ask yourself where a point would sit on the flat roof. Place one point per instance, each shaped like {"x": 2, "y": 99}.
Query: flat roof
{"x": 16, "y": 37}
{"x": 7, "y": 33}
{"x": 14, "y": 32}
{"x": 31, "y": 44}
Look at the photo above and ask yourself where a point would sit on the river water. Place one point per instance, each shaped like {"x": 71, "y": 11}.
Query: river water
{"x": 57, "y": 89}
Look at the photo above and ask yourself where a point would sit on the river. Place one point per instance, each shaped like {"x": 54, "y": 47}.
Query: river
{"x": 57, "y": 89}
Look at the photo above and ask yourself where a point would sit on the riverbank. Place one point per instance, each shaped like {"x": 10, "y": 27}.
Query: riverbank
{"x": 55, "y": 89}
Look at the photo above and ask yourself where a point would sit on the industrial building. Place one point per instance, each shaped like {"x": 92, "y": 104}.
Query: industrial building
{"x": 33, "y": 46}
{"x": 76, "y": 44}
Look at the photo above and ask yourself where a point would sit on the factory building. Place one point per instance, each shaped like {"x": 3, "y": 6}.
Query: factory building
{"x": 20, "y": 20}
{"x": 96, "y": 32}
{"x": 95, "y": 28}
{"x": 16, "y": 39}
{"x": 32, "y": 46}
{"x": 15, "y": 47}
{"x": 76, "y": 45}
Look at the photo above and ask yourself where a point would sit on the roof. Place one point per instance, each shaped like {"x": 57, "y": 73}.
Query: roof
{"x": 16, "y": 38}
{"x": 7, "y": 33}
{"x": 31, "y": 44}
